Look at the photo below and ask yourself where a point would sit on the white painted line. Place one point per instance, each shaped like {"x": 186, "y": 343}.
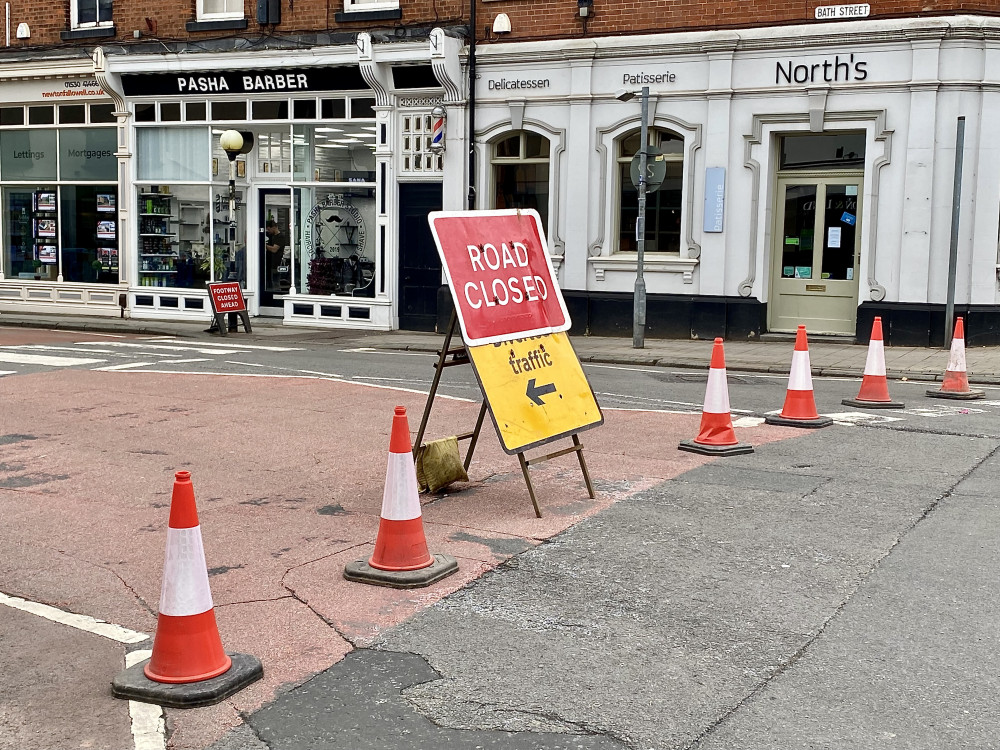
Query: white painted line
{"x": 126, "y": 366}
{"x": 8, "y": 372}
{"x": 369, "y": 350}
{"x": 294, "y": 377}
{"x": 851, "y": 418}
{"x": 648, "y": 411}
{"x": 185, "y": 361}
{"x": 332, "y": 375}
{"x": 80, "y": 622}
{"x": 148, "y": 730}
{"x": 748, "y": 422}
{"x": 49, "y": 348}
{"x": 174, "y": 348}
{"x": 232, "y": 345}
{"x": 39, "y": 359}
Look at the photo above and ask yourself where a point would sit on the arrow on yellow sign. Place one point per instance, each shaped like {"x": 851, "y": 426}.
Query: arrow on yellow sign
{"x": 535, "y": 394}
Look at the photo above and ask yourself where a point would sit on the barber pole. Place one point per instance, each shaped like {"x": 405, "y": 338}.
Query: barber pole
{"x": 438, "y": 116}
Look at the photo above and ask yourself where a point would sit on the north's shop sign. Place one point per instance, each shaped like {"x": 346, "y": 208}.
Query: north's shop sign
{"x": 275, "y": 81}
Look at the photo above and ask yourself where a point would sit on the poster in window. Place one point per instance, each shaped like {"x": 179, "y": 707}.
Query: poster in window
{"x": 106, "y": 202}
{"x": 45, "y": 201}
{"x": 46, "y": 254}
{"x": 106, "y": 230}
{"x": 45, "y": 227}
{"x": 108, "y": 256}
{"x": 241, "y": 169}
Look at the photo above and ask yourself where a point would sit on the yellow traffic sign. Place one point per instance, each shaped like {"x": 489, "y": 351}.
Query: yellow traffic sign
{"x": 536, "y": 389}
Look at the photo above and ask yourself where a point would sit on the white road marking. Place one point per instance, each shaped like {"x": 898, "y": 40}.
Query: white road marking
{"x": 225, "y": 345}
{"x": 369, "y": 350}
{"x": 80, "y": 622}
{"x": 8, "y": 372}
{"x": 126, "y": 366}
{"x": 185, "y": 361}
{"x": 39, "y": 359}
{"x": 148, "y": 730}
{"x": 175, "y": 348}
{"x": 852, "y": 418}
{"x": 748, "y": 422}
{"x": 333, "y": 375}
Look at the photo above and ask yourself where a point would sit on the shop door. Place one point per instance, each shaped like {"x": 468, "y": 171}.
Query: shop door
{"x": 816, "y": 254}
{"x": 275, "y": 251}
{"x": 419, "y": 263}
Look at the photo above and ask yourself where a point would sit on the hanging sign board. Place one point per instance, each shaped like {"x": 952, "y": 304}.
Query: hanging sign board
{"x": 536, "y": 389}
{"x": 500, "y": 274}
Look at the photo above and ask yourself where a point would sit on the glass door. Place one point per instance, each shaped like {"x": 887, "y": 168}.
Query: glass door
{"x": 816, "y": 254}
{"x": 275, "y": 253}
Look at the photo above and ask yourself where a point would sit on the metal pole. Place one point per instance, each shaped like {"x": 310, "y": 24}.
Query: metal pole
{"x": 472, "y": 105}
{"x": 956, "y": 206}
{"x": 639, "y": 302}
{"x": 231, "y": 264}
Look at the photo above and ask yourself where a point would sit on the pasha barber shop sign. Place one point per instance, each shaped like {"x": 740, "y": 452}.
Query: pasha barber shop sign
{"x": 280, "y": 80}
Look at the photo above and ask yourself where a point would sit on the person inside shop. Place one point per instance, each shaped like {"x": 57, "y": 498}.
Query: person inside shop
{"x": 275, "y": 243}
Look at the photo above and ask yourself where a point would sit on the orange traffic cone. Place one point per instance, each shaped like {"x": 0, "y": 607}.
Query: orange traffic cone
{"x": 188, "y": 666}
{"x": 956, "y": 380}
{"x": 800, "y": 405}
{"x": 874, "y": 393}
{"x": 716, "y": 436}
{"x": 401, "y": 559}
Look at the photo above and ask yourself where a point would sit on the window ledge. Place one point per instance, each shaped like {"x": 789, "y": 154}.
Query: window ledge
{"x": 652, "y": 263}
{"x": 228, "y": 24}
{"x": 96, "y": 32}
{"x": 393, "y": 14}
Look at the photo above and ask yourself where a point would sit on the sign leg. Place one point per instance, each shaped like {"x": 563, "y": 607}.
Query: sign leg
{"x": 527, "y": 481}
{"x": 474, "y": 438}
{"x": 583, "y": 467}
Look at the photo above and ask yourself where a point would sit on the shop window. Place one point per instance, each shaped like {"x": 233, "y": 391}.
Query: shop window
{"x": 88, "y": 154}
{"x": 359, "y": 6}
{"x": 145, "y": 112}
{"x": 273, "y": 110}
{"x": 663, "y": 207}
{"x": 170, "y": 112}
{"x": 28, "y": 155}
{"x": 90, "y": 13}
{"x": 195, "y": 111}
{"x": 333, "y": 109}
{"x": 102, "y": 113}
{"x": 89, "y": 233}
{"x": 273, "y": 151}
{"x": 229, "y": 111}
{"x": 415, "y": 140}
{"x": 334, "y": 247}
{"x": 827, "y": 151}
{"x": 166, "y": 154}
{"x": 341, "y": 153}
{"x": 181, "y": 244}
{"x": 11, "y": 115}
{"x": 520, "y": 164}
{"x": 72, "y": 114}
{"x": 362, "y": 109}
{"x": 210, "y": 10}
{"x": 304, "y": 109}
{"x": 41, "y": 115}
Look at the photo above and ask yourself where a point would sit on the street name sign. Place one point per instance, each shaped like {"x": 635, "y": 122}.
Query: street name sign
{"x": 536, "y": 388}
{"x": 500, "y": 274}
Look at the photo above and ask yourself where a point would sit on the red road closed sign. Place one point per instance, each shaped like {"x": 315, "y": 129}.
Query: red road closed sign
{"x": 500, "y": 274}
{"x": 227, "y": 297}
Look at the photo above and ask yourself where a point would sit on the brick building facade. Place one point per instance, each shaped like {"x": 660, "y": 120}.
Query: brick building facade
{"x": 805, "y": 155}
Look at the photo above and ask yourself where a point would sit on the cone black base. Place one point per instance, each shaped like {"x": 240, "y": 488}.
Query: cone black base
{"x": 714, "y": 450}
{"x": 861, "y": 404}
{"x": 133, "y": 684}
{"x": 442, "y": 567}
{"x": 781, "y": 421}
{"x": 958, "y": 395}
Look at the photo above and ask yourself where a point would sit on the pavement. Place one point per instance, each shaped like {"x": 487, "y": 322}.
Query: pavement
{"x": 827, "y": 356}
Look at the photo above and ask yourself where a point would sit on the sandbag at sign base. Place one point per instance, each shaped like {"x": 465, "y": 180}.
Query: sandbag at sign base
{"x": 439, "y": 464}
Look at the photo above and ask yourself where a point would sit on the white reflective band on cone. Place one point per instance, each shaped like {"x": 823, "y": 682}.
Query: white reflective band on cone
{"x": 401, "y": 497}
{"x": 717, "y": 392}
{"x": 185, "y": 576}
{"x": 800, "y": 378}
{"x": 956, "y": 358}
{"x": 875, "y": 364}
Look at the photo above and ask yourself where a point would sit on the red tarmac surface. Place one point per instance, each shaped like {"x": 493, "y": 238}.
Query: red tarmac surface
{"x": 288, "y": 475}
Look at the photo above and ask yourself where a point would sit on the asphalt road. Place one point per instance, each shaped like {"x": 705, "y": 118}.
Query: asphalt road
{"x": 836, "y": 588}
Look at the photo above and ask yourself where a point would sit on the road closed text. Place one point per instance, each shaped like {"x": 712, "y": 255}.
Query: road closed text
{"x": 513, "y": 287}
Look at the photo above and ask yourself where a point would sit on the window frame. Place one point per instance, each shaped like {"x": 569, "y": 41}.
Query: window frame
{"x": 501, "y": 161}
{"x": 75, "y": 16}
{"x": 362, "y": 6}
{"x": 619, "y": 161}
{"x": 202, "y": 15}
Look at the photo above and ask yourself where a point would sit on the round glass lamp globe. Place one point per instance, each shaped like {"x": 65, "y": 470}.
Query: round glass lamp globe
{"x": 231, "y": 141}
